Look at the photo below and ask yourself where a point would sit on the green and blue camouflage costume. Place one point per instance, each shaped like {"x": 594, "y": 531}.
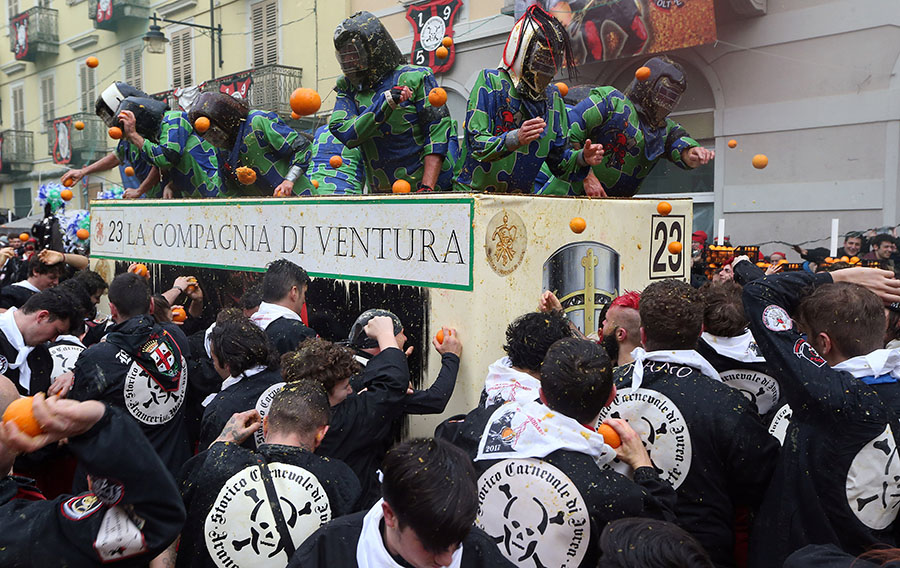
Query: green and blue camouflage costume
{"x": 631, "y": 147}
{"x": 183, "y": 158}
{"x": 348, "y": 179}
{"x": 130, "y": 155}
{"x": 495, "y": 109}
{"x": 266, "y": 144}
{"x": 395, "y": 141}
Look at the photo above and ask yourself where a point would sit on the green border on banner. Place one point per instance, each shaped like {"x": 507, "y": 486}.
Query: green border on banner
{"x": 119, "y": 203}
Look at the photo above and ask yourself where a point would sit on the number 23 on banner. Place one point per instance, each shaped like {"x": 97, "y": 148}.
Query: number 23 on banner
{"x": 664, "y": 230}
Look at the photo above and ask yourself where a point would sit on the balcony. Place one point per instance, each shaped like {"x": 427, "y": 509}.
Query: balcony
{"x": 66, "y": 144}
{"x": 267, "y": 88}
{"x": 107, "y": 14}
{"x": 169, "y": 98}
{"x": 16, "y": 151}
{"x": 34, "y": 33}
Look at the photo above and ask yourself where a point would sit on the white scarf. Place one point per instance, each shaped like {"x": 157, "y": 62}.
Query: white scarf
{"x": 875, "y": 364}
{"x": 267, "y": 313}
{"x": 370, "y": 550}
{"x": 740, "y": 347}
{"x": 531, "y": 430}
{"x": 9, "y": 328}
{"x": 206, "y": 342}
{"x": 27, "y": 285}
{"x": 505, "y": 384}
{"x": 69, "y": 339}
{"x": 230, "y": 381}
{"x": 687, "y": 357}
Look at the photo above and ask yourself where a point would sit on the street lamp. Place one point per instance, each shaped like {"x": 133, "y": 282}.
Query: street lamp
{"x": 155, "y": 40}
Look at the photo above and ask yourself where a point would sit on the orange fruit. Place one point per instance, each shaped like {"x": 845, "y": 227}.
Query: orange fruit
{"x": 69, "y": 182}
{"x": 447, "y": 41}
{"x": 129, "y": 171}
{"x": 760, "y": 161}
{"x": 664, "y": 208}
{"x": 732, "y": 143}
{"x": 245, "y": 175}
{"x": 675, "y": 247}
{"x": 66, "y": 194}
{"x": 335, "y": 161}
{"x": 92, "y": 61}
{"x": 577, "y": 224}
{"x": 610, "y": 436}
{"x": 563, "y": 89}
{"x": 305, "y": 101}
{"x": 178, "y": 314}
{"x": 24, "y": 237}
{"x": 83, "y": 234}
{"x": 845, "y": 259}
{"x": 442, "y": 52}
{"x": 642, "y": 73}
{"x": 401, "y": 186}
{"x": 79, "y": 125}
{"x": 854, "y": 260}
{"x": 201, "y": 125}
{"x": 294, "y": 115}
{"x": 315, "y": 183}
{"x": 440, "y": 335}
{"x": 140, "y": 269}
{"x": 21, "y": 413}
{"x": 115, "y": 133}
{"x": 437, "y": 97}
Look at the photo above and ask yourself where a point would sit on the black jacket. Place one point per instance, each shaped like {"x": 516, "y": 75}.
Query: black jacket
{"x": 837, "y": 476}
{"x": 13, "y": 296}
{"x": 362, "y": 422}
{"x": 222, "y": 486}
{"x": 334, "y": 545}
{"x": 39, "y": 361}
{"x": 141, "y": 367}
{"x": 753, "y": 379}
{"x": 286, "y": 334}
{"x": 255, "y": 391}
{"x": 709, "y": 442}
{"x": 87, "y": 529}
{"x": 830, "y": 556}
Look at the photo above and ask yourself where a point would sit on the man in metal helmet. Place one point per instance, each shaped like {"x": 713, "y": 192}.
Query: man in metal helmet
{"x": 516, "y": 120}
{"x": 144, "y": 180}
{"x": 382, "y": 108}
{"x": 635, "y": 131}
{"x": 189, "y": 166}
{"x": 255, "y": 139}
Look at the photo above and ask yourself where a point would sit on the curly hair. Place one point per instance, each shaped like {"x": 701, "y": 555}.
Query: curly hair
{"x": 671, "y": 315}
{"x": 530, "y": 336}
{"x": 239, "y": 344}
{"x": 723, "y": 313}
{"x": 320, "y": 360}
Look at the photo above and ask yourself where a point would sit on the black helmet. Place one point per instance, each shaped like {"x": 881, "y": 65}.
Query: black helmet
{"x": 225, "y": 114}
{"x": 148, "y": 114}
{"x": 358, "y": 337}
{"x": 656, "y": 97}
{"x": 110, "y": 99}
{"x": 537, "y": 48}
{"x": 365, "y": 50}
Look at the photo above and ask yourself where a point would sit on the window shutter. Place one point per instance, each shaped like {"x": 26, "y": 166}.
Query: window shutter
{"x": 258, "y": 34}
{"x": 18, "y": 108}
{"x": 181, "y": 59}
{"x": 13, "y": 8}
{"x": 264, "y": 22}
{"x": 47, "y": 102}
{"x": 133, "y": 74}
{"x": 271, "y": 35}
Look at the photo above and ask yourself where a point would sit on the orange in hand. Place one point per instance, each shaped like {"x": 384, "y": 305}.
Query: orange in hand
{"x": 437, "y": 97}
{"x": 201, "y": 125}
{"x": 66, "y": 194}
{"x": 577, "y": 224}
{"x": 83, "y": 234}
{"x": 178, "y": 314}
{"x": 401, "y": 186}
{"x": 140, "y": 269}
{"x": 69, "y": 182}
{"x": 246, "y": 175}
{"x": 440, "y": 335}
{"x": 115, "y": 133}
{"x": 335, "y": 161}
{"x": 79, "y": 125}
{"x": 610, "y": 436}
{"x": 305, "y": 101}
{"x": 129, "y": 171}
{"x": 21, "y": 413}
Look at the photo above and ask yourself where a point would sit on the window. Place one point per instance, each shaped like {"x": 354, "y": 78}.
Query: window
{"x": 13, "y": 6}
{"x": 22, "y": 201}
{"x": 18, "y": 107}
{"x": 133, "y": 71}
{"x": 182, "y": 75}
{"x": 88, "y": 80}
{"x": 264, "y": 19}
{"x": 48, "y": 106}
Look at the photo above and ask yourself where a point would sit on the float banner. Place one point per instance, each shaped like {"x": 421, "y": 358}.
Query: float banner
{"x": 411, "y": 241}
{"x": 601, "y": 30}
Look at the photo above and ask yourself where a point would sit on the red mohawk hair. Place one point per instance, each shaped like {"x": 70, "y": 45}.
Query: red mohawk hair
{"x": 628, "y": 300}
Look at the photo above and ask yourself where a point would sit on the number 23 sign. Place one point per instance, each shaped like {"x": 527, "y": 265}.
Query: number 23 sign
{"x": 431, "y": 23}
{"x": 664, "y": 264}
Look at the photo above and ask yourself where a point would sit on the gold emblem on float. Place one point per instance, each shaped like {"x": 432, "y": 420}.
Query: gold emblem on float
{"x": 505, "y": 242}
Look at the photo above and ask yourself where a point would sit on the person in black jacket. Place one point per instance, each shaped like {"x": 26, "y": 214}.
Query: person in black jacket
{"x": 648, "y": 543}
{"x": 705, "y": 438}
{"x": 284, "y": 293}
{"x": 537, "y": 460}
{"x": 837, "y": 477}
{"x": 230, "y": 516}
{"x": 41, "y": 277}
{"x": 132, "y": 513}
{"x": 242, "y": 356}
{"x": 141, "y": 367}
{"x": 425, "y": 518}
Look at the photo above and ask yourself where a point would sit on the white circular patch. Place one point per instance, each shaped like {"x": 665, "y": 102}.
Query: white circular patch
{"x": 263, "y": 404}
{"x": 432, "y": 33}
{"x": 775, "y": 318}
{"x": 534, "y": 513}
{"x": 873, "y": 482}
{"x": 240, "y": 528}
{"x": 761, "y": 389}
{"x": 4, "y": 364}
{"x": 662, "y": 428}
{"x": 780, "y": 422}
{"x": 64, "y": 357}
{"x": 147, "y": 401}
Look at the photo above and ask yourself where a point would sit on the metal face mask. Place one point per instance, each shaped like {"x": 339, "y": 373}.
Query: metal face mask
{"x": 217, "y": 137}
{"x": 666, "y": 95}
{"x": 354, "y": 62}
{"x": 539, "y": 69}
